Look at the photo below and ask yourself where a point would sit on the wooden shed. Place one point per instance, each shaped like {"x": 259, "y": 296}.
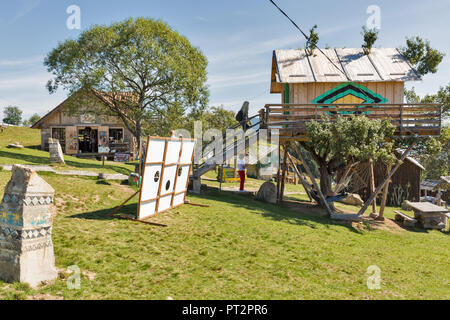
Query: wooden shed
{"x": 405, "y": 183}
{"x": 86, "y": 127}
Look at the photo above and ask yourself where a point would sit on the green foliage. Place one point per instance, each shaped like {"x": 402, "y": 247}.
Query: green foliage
{"x": 399, "y": 195}
{"x": 433, "y": 153}
{"x": 140, "y": 68}
{"x": 12, "y": 115}
{"x": 33, "y": 119}
{"x": 313, "y": 40}
{"x": 370, "y": 37}
{"x": 421, "y": 55}
{"x": 217, "y": 118}
{"x": 349, "y": 139}
{"x": 335, "y": 144}
{"x": 438, "y": 164}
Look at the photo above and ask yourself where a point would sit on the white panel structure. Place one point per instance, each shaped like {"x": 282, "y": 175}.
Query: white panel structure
{"x": 166, "y": 172}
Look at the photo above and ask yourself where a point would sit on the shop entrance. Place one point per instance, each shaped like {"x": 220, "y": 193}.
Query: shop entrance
{"x": 88, "y": 140}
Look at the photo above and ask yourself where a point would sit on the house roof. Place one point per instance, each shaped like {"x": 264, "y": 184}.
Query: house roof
{"x": 106, "y": 96}
{"x": 342, "y": 65}
{"x": 400, "y": 151}
{"x": 415, "y": 162}
{"x": 429, "y": 185}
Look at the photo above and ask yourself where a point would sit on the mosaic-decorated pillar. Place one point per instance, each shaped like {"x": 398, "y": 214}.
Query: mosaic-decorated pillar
{"x": 26, "y": 211}
{"x": 55, "y": 150}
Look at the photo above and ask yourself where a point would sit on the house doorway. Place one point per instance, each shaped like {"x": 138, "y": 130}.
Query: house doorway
{"x": 88, "y": 140}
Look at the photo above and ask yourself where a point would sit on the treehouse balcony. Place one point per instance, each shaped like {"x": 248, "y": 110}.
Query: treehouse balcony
{"x": 409, "y": 119}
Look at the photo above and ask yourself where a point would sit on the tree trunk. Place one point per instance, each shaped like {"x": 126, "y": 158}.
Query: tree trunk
{"x": 326, "y": 183}
{"x": 139, "y": 145}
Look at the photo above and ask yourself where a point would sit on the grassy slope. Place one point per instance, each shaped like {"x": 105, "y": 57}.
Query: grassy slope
{"x": 32, "y": 155}
{"x": 236, "y": 248}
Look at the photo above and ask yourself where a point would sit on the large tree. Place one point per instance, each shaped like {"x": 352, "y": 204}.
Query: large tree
{"x": 12, "y": 115}
{"x": 140, "y": 68}
{"x": 33, "y": 119}
{"x": 335, "y": 144}
{"x": 421, "y": 55}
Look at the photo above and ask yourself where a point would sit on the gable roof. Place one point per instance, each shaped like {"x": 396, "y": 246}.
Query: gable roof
{"x": 106, "y": 96}
{"x": 347, "y": 64}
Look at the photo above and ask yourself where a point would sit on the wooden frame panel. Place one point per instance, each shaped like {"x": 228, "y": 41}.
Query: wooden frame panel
{"x": 163, "y": 188}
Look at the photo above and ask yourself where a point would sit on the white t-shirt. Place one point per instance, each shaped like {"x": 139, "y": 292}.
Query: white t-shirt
{"x": 241, "y": 164}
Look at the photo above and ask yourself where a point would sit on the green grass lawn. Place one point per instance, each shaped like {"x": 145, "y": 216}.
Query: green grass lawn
{"x": 238, "y": 248}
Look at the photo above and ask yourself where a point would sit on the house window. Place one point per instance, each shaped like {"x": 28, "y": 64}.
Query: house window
{"x": 115, "y": 135}
{"x": 60, "y": 134}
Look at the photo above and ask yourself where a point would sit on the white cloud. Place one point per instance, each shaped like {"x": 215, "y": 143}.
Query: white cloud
{"x": 232, "y": 80}
{"x": 21, "y": 62}
{"x": 22, "y": 82}
{"x": 26, "y": 9}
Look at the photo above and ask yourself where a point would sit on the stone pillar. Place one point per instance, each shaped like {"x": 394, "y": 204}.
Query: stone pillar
{"x": 55, "y": 150}
{"x": 26, "y": 212}
{"x": 196, "y": 184}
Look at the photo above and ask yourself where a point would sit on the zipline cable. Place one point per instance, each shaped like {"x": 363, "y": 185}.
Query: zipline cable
{"x": 308, "y": 39}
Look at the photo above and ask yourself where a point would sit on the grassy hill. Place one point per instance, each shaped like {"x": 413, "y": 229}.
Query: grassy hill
{"x": 238, "y": 248}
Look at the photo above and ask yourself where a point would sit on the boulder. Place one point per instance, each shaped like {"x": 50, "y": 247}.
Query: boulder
{"x": 112, "y": 176}
{"x": 26, "y": 214}
{"x": 267, "y": 192}
{"x": 353, "y": 199}
{"x": 15, "y": 146}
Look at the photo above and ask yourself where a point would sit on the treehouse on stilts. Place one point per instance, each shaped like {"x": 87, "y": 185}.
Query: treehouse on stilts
{"x": 343, "y": 83}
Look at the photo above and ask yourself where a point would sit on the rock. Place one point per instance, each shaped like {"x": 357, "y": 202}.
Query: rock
{"x": 267, "y": 192}
{"x": 55, "y": 150}
{"x": 112, "y": 176}
{"x": 15, "y": 146}
{"x": 353, "y": 199}
{"x": 26, "y": 212}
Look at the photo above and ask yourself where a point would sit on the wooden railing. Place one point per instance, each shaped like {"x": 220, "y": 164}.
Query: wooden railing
{"x": 409, "y": 119}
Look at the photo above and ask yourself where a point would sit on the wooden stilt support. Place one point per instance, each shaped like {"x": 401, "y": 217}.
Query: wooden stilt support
{"x": 300, "y": 177}
{"x": 297, "y": 149}
{"x": 381, "y": 186}
{"x": 116, "y": 209}
{"x": 278, "y": 172}
{"x": 123, "y": 216}
{"x": 384, "y": 197}
{"x": 283, "y": 174}
{"x": 196, "y": 204}
{"x": 372, "y": 189}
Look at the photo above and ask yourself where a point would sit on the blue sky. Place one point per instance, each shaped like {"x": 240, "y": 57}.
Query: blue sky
{"x": 237, "y": 37}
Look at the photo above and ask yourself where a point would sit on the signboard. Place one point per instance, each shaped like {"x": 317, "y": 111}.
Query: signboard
{"x": 121, "y": 157}
{"x": 165, "y": 178}
{"x": 87, "y": 118}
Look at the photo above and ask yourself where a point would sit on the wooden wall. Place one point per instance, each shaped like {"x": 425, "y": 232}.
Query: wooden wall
{"x": 407, "y": 173}
{"x": 393, "y": 91}
{"x": 63, "y": 117}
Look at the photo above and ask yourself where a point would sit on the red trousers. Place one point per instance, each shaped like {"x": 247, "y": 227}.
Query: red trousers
{"x": 242, "y": 176}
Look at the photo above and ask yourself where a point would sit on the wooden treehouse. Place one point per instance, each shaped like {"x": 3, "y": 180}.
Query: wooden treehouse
{"x": 345, "y": 82}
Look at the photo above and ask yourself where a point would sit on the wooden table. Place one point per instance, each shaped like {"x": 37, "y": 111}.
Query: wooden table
{"x": 429, "y": 215}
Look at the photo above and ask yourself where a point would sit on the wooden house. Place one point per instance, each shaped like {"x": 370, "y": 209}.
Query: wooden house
{"x": 86, "y": 127}
{"x": 345, "y": 81}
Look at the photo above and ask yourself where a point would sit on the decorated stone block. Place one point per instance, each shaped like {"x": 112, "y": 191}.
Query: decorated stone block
{"x": 55, "y": 150}
{"x": 26, "y": 212}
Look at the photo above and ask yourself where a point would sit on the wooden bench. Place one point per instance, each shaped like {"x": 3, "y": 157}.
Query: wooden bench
{"x": 404, "y": 219}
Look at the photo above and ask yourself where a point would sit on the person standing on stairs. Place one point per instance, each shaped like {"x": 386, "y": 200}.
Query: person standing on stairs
{"x": 241, "y": 170}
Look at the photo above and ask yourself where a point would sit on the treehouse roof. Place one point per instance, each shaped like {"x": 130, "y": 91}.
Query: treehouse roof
{"x": 347, "y": 64}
